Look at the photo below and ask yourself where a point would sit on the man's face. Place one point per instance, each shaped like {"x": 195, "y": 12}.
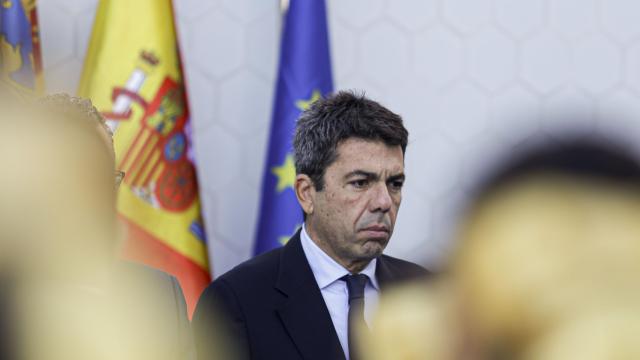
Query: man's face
{"x": 353, "y": 216}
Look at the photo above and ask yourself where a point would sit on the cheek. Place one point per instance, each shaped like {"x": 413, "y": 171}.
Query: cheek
{"x": 356, "y": 205}
{"x": 397, "y": 202}
{"x": 330, "y": 208}
{"x": 343, "y": 209}
{"x": 396, "y": 205}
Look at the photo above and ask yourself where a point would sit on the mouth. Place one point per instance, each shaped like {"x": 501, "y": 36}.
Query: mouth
{"x": 375, "y": 231}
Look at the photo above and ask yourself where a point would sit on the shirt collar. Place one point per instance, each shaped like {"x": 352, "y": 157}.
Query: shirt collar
{"x": 325, "y": 269}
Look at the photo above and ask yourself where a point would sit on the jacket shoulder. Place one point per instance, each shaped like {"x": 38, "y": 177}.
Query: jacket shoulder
{"x": 403, "y": 268}
{"x": 220, "y": 318}
{"x": 257, "y": 270}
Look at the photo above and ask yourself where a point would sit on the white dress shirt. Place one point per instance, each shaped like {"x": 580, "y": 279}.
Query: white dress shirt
{"x": 327, "y": 273}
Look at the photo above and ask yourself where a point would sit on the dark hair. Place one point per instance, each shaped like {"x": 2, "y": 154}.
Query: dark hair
{"x": 336, "y": 118}
{"x": 579, "y": 158}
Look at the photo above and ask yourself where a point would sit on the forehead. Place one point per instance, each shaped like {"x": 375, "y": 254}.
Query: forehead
{"x": 368, "y": 155}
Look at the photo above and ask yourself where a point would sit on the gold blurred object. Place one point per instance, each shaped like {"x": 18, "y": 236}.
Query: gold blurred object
{"x": 78, "y": 109}
{"x": 609, "y": 333}
{"x": 57, "y": 193}
{"x": 546, "y": 270}
{"x": 68, "y": 295}
{"x": 132, "y": 316}
{"x": 415, "y": 322}
{"x": 544, "y": 251}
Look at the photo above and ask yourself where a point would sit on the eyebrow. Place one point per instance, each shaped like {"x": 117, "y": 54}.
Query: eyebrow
{"x": 366, "y": 174}
{"x": 373, "y": 176}
{"x": 397, "y": 177}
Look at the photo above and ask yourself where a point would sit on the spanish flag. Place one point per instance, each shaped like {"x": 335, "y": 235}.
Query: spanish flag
{"x": 133, "y": 75}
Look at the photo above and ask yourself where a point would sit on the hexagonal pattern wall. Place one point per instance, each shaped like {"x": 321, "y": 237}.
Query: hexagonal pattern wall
{"x": 473, "y": 79}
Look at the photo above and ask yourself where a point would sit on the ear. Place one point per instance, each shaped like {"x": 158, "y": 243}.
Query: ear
{"x": 305, "y": 192}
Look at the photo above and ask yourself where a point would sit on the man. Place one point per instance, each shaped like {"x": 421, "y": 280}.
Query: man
{"x": 304, "y": 300}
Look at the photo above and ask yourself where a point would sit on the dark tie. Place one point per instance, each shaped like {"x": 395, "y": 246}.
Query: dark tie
{"x": 355, "y": 285}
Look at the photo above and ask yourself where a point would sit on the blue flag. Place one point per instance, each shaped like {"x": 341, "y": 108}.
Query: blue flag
{"x": 304, "y": 76}
{"x": 20, "y": 64}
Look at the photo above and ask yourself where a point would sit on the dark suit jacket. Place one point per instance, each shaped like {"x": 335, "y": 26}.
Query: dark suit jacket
{"x": 273, "y": 307}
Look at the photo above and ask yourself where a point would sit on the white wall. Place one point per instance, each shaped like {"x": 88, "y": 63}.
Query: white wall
{"x": 472, "y": 79}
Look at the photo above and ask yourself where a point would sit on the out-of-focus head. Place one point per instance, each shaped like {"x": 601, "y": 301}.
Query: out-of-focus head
{"x": 349, "y": 160}
{"x": 552, "y": 239}
{"x": 82, "y": 110}
{"x": 58, "y": 208}
{"x": 546, "y": 267}
{"x": 414, "y": 321}
{"x": 58, "y": 193}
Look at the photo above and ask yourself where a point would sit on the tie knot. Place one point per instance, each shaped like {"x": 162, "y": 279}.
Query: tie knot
{"x": 355, "y": 285}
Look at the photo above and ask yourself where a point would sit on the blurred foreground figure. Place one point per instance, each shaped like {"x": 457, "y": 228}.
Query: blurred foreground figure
{"x": 546, "y": 269}
{"x": 68, "y": 295}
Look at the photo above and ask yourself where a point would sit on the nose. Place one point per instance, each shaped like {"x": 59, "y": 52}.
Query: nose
{"x": 380, "y": 199}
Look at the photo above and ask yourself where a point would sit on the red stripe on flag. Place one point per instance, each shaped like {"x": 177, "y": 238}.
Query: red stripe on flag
{"x": 140, "y": 246}
{"x": 147, "y": 178}
{"x": 139, "y": 162}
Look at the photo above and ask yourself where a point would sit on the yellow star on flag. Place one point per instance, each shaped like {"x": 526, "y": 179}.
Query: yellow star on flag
{"x": 283, "y": 240}
{"x": 286, "y": 173}
{"x": 304, "y": 104}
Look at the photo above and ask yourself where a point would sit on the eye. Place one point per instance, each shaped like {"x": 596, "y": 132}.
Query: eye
{"x": 360, "y": 183}
{"x": 396, "y": 185}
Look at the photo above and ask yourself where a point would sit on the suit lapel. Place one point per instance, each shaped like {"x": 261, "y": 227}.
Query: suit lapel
{"x": 303, "y": 312}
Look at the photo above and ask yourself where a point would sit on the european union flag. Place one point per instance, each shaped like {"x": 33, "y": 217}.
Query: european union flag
{"x": 304, "y": 76}
{"x": 19, "y": 51}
